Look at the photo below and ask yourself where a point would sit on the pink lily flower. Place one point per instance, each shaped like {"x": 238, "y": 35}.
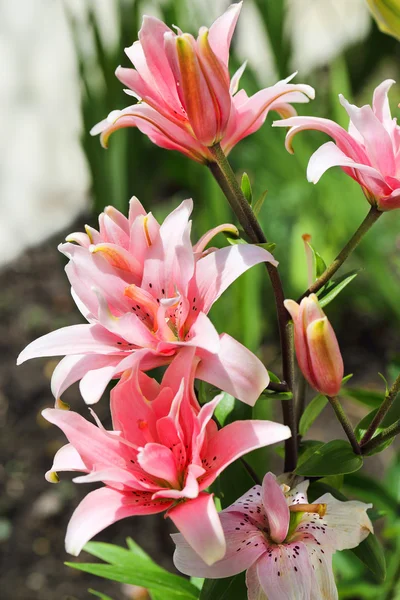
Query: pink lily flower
{"x": 369, "y": 151}
{"x": 164, "y": 451}
{"x": 317, "y": 348}
{"x": 187, "y": 100}
{"x": 146, "y": 291}
{"x": 284, "y": 543}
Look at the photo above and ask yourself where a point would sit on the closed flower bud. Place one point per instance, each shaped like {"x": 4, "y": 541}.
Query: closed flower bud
{"x": 386, "y": 14}
{"x": 317, "y": 348}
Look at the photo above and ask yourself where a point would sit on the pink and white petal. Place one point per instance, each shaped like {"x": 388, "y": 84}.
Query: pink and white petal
{"x": 329, "y": 155}
{"x": 93, "y": 384}
{"x": 251, "y": 507}
{"x": 244, "y": 545}
{"x": 221, "y": 32}
{"x": 276, "y": 508}
{"x": 95, "y": 447}
{"x": 254, "y": 589}
{"x": 67, "y": 458}
{"x": 250, "y": 115}
{"x": 390, "y": 202}
{"x": 216, "y": 271}
{"x": 202, "y": 335}
{"x": 286, "y": 573}
{"x": 170, "y": 261}
{"x": 238, "y": 438}
{"x": 151, "y": 36}
{"x": 158, "y": 128}
{"x": 114, "y": 477}
{"x": 190, "y": 489}
{"x": 75, "y": 339}
{"x": 199, "y": 523}
{"x": 350, "y": 146}
{"x": 234, "y": 369}
{"x": 298, "y": 494}
{"x": 72, "y": 368}
{"x": 377, "y": 141}
{"x": 209, "y": 235}
{"x": 347, "y": 523}
{"x": 101, "y": 508}
{"x": 321, "y": 562}
{"x": 159, "y": 461}
{"x": 131, "y": 412}
{"x": 381, "y": 106}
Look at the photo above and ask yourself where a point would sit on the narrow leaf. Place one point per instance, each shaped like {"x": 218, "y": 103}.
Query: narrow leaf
{"x": 230, "y": 588}
{"x": 246, "y": 188}
{"x": 311, "y": 412}
{"x": 371, "y": 553}
{"x": 99, "y": 594}
{"x": 328, "y": 295}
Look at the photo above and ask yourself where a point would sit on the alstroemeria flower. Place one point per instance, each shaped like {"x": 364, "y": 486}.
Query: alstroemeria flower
{"x": 187, "y": 101}
{"x": 317, "y": 348}
{"x": 146, "y": 292}
{"x": 164, "y": 451}
{"x": 369, "y": 151}
{"x": 284, "y": 543}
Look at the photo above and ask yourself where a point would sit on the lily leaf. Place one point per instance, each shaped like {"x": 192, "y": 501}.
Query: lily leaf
{"x": 334, "y": 458}
{"x": 230, "y": 588}
{"x": 312, "y": 411}
{"x": 246, "y": 188}
{"x": 332, "y": 290}
{"x": 134, "y": 567}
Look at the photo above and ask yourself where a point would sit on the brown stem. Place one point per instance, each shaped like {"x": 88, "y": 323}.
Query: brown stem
{"x": 226, "y": 179}
{"x": 382, "y": 411}
{"x": 342, "y": 417}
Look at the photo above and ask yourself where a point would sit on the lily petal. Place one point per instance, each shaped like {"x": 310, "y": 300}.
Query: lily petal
{"x": 101, "y": 508}
{"x": 199, "y": 523}
{"x": 234, "y": 369}
{"x": 237, "y": 558}
{"x": 276, "y": 508}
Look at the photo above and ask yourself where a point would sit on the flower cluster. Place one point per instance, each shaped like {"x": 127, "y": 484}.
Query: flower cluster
{"x": 145, "y": 291}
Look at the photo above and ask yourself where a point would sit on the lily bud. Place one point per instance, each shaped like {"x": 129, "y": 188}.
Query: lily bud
{"x": 386, "y": 14}
{"x": 317, "y": 348}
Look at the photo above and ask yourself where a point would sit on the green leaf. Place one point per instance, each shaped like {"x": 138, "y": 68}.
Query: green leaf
{"x": 230, "y": 588}
{"x": 224, "y": 408}
{"x": 362, "y": 427}
{"x": 311, "y": 412}
{"x": 371, "y": 553}
{"x": 134, "y": 567}
{"x": 99, "y": 594}
{"x": 338, "y": 286}
{"x": 367, "y": 397}
{"x": 370, "y": 490}
{"x": 246, "y": 188}
{"x": 259, "y": 203}
{"x": 333, "y": 458}
{"x": 274, "y": 378}
{"x": 318, "y": 262}
{"x": 277, "y": 395}
{"x": 306, "y": 449}
{"x": 268, "y": 246}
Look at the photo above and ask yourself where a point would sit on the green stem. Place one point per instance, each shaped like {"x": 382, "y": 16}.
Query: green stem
{"x": 226, "y": 179}
{"x": 382, "y": 412}
{"x": 344, "y": 421}
{"x": 365, "y": 226}
{"x": 385, "y": 435}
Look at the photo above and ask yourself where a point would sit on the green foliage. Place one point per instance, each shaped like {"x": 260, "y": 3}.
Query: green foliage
{"x": 135, "y": 567}
{"x": 333, "y": 458}
{"x": 312, "y": 411}
{"x": 230, "y": 588}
